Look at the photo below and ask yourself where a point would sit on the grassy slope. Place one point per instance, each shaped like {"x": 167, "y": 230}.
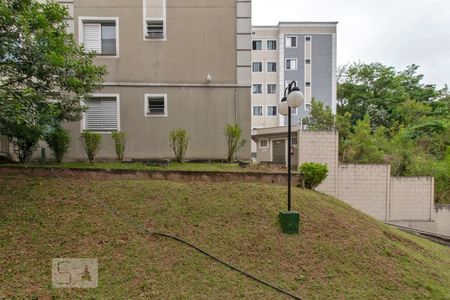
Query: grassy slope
{"x": 341, "y": 253}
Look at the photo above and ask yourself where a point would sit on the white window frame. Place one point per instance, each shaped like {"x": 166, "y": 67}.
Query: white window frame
{"x": 99, "y": 19}
{"x": 83, "y": 121}
{"x": 306, "y": 39}
{"x": 262, "y": 89}
{"x": 276, "y": 89}
{"x": 166, "y": 110}
{"x": 145, "y": 19}
{"x": 294, "y": 111}
{"x": 262, "y": 147}
{"x": 269, "y": 70}
{"x": 267, "y": 111}
{"x": 262, "y": 111}
{"x": 262, "y": 66}
{"x": 306, "y": 106}
{"x": 262, "y": 44}
{"x": 271, "y": 40}
{"x": 291, "y": 36}
{"x": 296, "y": 64}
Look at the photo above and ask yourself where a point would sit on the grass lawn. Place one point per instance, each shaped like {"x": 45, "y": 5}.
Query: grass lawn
{"x": 173, "y": 166}
{"x": 340, "y": 254}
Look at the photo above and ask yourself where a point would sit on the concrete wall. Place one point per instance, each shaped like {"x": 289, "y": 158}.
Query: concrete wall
{"x": 411, "y": 199}
{"x": 365, "y": 187}
{"x": 321, "y": 147}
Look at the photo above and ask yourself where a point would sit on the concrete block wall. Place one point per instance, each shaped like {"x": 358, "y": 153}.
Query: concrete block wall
{"x": 411, "y": 198}
{"x": 366, "y": 188}
{"x": 321, "y": 147}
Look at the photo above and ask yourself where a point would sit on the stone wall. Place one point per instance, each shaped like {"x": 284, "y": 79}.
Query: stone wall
{"x": 366, "y": 188}
{"x": 411, "y": 199}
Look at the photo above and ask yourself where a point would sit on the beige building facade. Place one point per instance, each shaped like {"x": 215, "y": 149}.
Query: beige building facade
{"x": 171, "y": 64}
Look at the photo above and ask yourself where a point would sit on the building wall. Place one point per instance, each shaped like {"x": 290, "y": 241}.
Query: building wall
{"x": 202, "y": 38}
{"x": 321, "y": 147}
{"x": 203, "y": 112}
{"x": 409, "y": 197}
{"x": 365, "y": 187}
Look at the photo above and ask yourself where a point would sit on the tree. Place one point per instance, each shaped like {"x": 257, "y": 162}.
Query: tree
{"x": 320, "y": 118}
{"x": 234, "y": 142}
{"x": 361, "y": 146}
{"x": 44, "y": 74}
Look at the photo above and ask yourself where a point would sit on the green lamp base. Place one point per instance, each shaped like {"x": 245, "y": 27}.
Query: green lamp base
{"x": 289, "y": 221}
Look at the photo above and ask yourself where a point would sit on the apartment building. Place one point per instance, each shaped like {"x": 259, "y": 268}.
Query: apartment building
{"x": 304, "y": 52}
{"x": 172, "y": 64}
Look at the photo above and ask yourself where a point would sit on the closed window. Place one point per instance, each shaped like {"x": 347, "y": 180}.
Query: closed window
{"x": 257, "y": 89}
{"x": 155, "y": 29}
{"x": 291, "y": 42}
{"x": 263, "y": 143}
{"x": 294, "y": 141}
{"x": 101, "y": 114}
{"x": 257, "y": 67}
{"x": 272, "y": 111}
{"x": 155, "y": 105}
{"x": 271, "y": 67}
{"x": 291, "y": 64}
{"x": 271, "y": 89}
{"x": 308, "y": 61}
{"x": 257, "y": 111}
{"x": 307, "y": 106}
{"x": 308, "y": 84}
{"x": 308, "y": 39}
{"x": 257, "y": 45}
{"x": 100, "y": 37}
{"x": 271, "y": 45}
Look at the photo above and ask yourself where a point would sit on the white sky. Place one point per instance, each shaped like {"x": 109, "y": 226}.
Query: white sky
{"x": 394, "y": 32}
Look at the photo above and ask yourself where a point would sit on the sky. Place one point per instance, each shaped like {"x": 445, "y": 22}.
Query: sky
{"x": 396, "y": 33}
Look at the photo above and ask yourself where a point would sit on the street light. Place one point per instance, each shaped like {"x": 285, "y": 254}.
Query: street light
{"x": 293, "y": 98}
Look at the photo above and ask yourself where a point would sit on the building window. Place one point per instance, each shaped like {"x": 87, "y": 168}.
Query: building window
{"x": 155, "y": 29}
{"x": 291, "y": 42}
{"x": 294, "y": 111}
{"x": 307, "y": 106}
{"x": 101, "y": 114}
{"x": 308, "y": 84}
{"x": 155, "y": 105}
{"x": 271, "y": 45}
{"x": 272, "y": 111}
{"x": 294, "y": 141}
{"x": 257, "y": 45}
{"x": 257, "y": 89}
{"x": 257, "y": 67}
{"x": 291, "y": 64}
{"x": 263, "y": 143}
{"x": 271, "y": 89}
{"x": 271, "y": 67}
{"x": 308, "y": 61}
{"x": 257, "y": 111}
{"x": 308, "y": 39}
{"x": 99, "y": 36}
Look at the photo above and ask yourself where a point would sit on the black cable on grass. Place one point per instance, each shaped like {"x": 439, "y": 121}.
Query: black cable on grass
{"x": 144, "y": 230}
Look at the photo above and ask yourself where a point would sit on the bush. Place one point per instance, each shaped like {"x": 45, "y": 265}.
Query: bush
{"x": 91, "y": 144}
{"x": 234, "y": 142}
{"x": 23, "y": 138}
{"x": 120, "y": 142}
{"x": 313, "y": 174}
{"x": 179, "y": 141}
{"x": 58, "y": 140}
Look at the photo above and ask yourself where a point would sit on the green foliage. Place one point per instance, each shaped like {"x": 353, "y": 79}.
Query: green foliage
{"x": 320, "y": 118}
{"x": 313, "y": 174}
{"x": 23, "y": 138}
{"x": 58, "y": 140}
{"x": 179, "y": 140}
{"x": 234, "y": 142}
{"x": 39, "y": 61}
{"x": 119, "y": 142}
{"x": 361, "y": 146}
{"x": 91, "y": 142}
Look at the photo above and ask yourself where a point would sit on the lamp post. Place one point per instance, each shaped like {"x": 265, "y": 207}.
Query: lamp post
{"x": 293, "y": 98}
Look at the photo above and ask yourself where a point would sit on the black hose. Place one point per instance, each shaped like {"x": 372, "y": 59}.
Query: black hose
{"x": 140, "y": 227}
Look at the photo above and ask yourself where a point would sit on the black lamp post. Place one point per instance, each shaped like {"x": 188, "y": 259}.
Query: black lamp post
{"x": 293, "y": 98}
